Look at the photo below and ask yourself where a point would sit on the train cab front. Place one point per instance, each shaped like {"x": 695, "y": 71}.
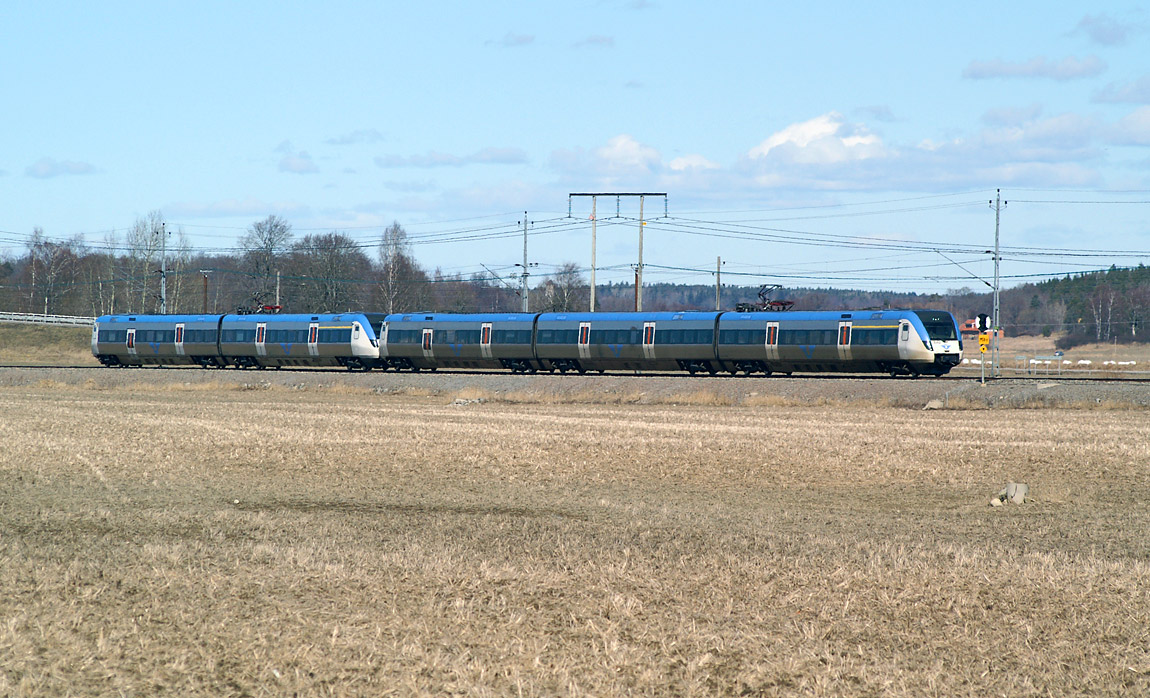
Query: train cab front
{"x": 943, "y": 340}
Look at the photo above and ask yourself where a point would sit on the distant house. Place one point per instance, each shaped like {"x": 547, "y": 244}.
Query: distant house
{"x": 969, "y": 329}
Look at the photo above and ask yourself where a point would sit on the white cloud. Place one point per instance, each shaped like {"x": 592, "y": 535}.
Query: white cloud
{"x": 298, "y": 164}
{"x": 1012, "y": 116}
{"x": 485, "y": 156}
{"x": 1063, "y": 137}
{"x": 878, "y": 112}
{"x": 1133, "y": 129}
{"x": 357, "y": 137}
{"x": 513, "y": 40}
{"x": 46, "y": 168}
{"x": 1137, "y": 92}
{"x": 499, "y": 156}
{"x": 1103, "y": 30}
{"x": 825, "y": 139}
{"x": 596, "y": 42}
{"x": 625, "y": 155}
{"x": 1067, "y": 69}
{"x": 692, "y": 162}
{"x": 231, "y": 208}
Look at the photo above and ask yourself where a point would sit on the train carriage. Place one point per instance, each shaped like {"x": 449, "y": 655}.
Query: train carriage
{"x": 627, "y": 341}
{"x": 345, "y": 339}
{"x": 258, "y": 341}
{"x": 895, "y": 342}
{"x": 429, "y": 341}
{"x": 155, "y": 340}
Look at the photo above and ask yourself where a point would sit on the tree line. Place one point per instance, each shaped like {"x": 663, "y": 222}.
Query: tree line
{"x": 272, "y": 268}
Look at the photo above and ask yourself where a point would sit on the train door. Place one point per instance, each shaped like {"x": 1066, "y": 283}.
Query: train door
{"x": 772, "y": 342}
{"x": 844, "y": 343}
{"x": 383, "y": 341}
{"x": 130, "y": 341}
{"x": 649, "y": 341}
{"x": 261, "y": 335}
{"x": 180, "y": 339}
{"x": 485, "y": 340}
{"x": 903, "y": 340}
{"x": 313, "y": 339}
{"x": 428, "y": 352}
{"x": 584, "y": 340}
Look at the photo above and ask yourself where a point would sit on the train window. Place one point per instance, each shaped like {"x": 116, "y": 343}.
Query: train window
{"x": 546, "y": 336}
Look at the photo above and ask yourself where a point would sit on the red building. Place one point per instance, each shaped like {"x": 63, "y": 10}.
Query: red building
{"x": 969, "y": 329}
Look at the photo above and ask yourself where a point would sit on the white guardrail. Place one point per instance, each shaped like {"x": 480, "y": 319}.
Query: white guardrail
{"x": 55, "y": 320}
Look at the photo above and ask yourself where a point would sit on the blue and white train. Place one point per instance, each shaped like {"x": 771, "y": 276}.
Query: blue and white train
{"x": 242, "y": 341}
{"x": 898, "y": 342}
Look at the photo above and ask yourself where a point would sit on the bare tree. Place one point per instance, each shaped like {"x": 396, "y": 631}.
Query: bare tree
{"x": 265, "y": 244}
{"x": 144, "y": 240}
{"x": 52, "y": 266}
{"x": 328, "y": 271}
{"x": 453, "y": 294}
{"x": 565, "y": 291}
{"x": 1102, "y": 307}
{"x": 403, "y": 283}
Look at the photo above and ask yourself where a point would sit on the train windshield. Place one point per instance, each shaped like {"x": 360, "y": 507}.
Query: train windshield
{"x": 939, "y": 326}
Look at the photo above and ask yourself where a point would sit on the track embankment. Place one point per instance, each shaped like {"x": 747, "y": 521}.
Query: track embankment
{"x": 952, "y": 392}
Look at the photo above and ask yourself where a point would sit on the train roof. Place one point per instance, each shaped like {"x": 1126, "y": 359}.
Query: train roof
{"x": 461, "y": 317}
{"x": 253, "y": 317}
{"x": 660, "y": 316}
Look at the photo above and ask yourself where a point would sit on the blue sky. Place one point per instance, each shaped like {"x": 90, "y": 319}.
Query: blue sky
{"x": 806, "y": 143}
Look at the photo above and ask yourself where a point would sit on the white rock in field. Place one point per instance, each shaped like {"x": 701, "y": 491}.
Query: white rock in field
{"x": 1014, "y": 492}
{"x": 1017, "y": 495}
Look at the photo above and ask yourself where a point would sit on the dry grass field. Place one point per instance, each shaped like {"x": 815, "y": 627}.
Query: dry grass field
{"x": 40, "y": 345}
{"x": 207, "y": 539}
